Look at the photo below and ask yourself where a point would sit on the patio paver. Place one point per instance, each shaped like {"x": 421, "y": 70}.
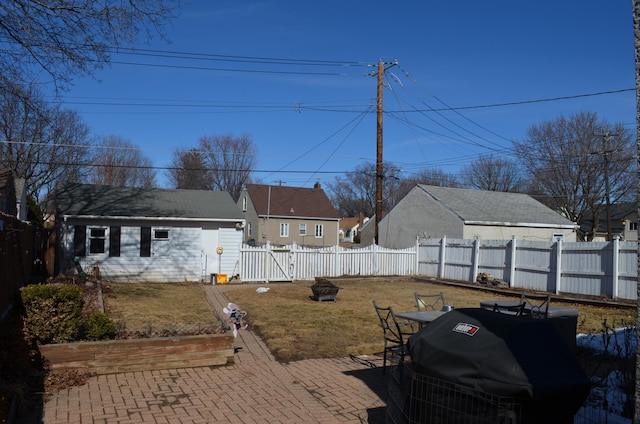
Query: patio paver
{"x": 256, "y": 389}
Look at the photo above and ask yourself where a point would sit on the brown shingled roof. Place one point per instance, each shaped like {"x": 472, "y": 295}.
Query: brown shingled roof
{"x": 291, "y": 201}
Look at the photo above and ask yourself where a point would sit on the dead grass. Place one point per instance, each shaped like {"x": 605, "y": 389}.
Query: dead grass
{"x": 159, "y": 306}
{"x": 294, "y": 327}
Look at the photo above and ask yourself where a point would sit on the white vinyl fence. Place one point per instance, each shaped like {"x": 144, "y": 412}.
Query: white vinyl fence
{"x": 292, "y": 262}
{"x": 589, "y": 268}
{"x": 606, "y": 269}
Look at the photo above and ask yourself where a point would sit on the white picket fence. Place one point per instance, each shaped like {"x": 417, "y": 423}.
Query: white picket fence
{"x": 292, "y": 262}
{"x": 591, "y": 268}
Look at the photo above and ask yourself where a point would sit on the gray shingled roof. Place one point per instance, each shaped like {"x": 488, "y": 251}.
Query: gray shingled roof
{"x": 494, "y": 206}
{"x": 107, "y": 201}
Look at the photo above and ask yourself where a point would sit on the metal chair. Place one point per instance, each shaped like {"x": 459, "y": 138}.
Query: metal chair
{"x": 538, "y": 308}
{"x": 394, "y": 336}
{"x": 429, "y": 302}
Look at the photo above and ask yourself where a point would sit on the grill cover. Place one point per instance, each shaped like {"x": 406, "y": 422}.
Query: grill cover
{"x": 503, "y": 355}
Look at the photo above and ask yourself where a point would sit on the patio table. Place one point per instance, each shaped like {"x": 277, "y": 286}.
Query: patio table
{"x": 421, "y": 317}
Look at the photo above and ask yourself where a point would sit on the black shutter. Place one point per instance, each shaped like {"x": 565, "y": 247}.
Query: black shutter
{"x": 145, "y": 242}
{"x": 114, "y": 241}
{"x": 80, "y": 240}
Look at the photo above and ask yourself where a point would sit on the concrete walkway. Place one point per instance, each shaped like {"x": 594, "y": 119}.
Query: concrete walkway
{"x": 256, "y": 389}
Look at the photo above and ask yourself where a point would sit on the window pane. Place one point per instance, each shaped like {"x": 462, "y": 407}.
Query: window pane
{"x": 161, "y": 234}
{"x": 303, "y": 229}
{"x": 318, "y": 230}
{"x": 96, "y": 245}
{"x": 97, "y": 240}
{"x": 284, "y": 230}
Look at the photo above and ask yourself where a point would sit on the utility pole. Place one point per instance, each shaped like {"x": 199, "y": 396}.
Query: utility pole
{"x": 605, "y": 153}
{"x": 379, "y": 169}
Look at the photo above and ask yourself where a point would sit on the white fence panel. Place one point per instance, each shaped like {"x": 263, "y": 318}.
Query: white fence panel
{"x": 494, "y": 258}
{"x": 429, "y": 258}
{"x": 586, "y": 268}
{"x": 596, "y": 269}
{"x": 535, "y": 265}
{"x": 357, "y": 261}
{"x": 628, "y": 270}
{"x": 253, "y": 263}
{"x": 459, "y": 260}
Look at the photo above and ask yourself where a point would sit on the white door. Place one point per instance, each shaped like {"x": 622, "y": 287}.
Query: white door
{"x": 210, "y": 259}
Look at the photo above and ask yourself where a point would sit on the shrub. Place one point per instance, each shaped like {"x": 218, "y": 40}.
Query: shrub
{"x": 99, "y": 327}
{"x": 53, "y": 312}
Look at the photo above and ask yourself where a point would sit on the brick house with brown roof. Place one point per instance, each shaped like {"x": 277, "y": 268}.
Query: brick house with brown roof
{"x": 283, "y": 215}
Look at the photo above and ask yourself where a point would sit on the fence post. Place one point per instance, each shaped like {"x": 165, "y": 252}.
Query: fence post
{"x": 476, "y": 259}
{"x": 374, "y": 261}
{"x": 615, "y": 263}
{"x": 443, "y": 255}
{"x": 293, "y": 254}
{"x": 267, "y": 262}
{"x": 337, "y": 267}
{"x": 558, "y": 264}
{"x": 512, "y": 265}
{"x": 416, "y": 265}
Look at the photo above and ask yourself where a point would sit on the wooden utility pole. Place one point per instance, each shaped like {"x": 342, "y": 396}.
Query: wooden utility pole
{"x": 605, "y": 153}
{"x": 379, "y": 168}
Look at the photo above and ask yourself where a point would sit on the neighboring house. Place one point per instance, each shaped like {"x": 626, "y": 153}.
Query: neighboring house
{"x": 282, "y": 215}
{"x": 8, "y": 198}
{"x": 624, "y": 223}
{"x": 630, "y": 225}
{"x": 349, "y": 228}
{"x": 21, "y": 198}
{"x": 434, "y": 212}
{"x": 148, "y": 235}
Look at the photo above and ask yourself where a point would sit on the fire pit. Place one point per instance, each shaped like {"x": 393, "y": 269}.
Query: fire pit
{"x": 324, "y": 289}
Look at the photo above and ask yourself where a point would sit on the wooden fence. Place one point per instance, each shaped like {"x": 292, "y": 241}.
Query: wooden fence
{"x": 16, "y": 258}
{"x": 591, "y": 268}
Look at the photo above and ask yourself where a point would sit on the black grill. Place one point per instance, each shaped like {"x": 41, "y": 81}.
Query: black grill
{"x": 480, "y": 366}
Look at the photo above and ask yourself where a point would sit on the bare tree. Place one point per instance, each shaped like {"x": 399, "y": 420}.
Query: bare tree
{"x": 429, "y": 176}
{"x": 189, "y": 171}
{"x": 68, "y": 38}
{"x": 355, "y": 193}
{"x": 117, "y": 162}
{"x": 493, "y": 174}
{"x": 42, "y": 144}
{"x": 230, "y": 160}
{"x": 570, "y": 162}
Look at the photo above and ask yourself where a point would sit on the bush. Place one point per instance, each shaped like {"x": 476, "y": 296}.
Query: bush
{"x": 99, "y": 327}
{"x": 53, "y": 312}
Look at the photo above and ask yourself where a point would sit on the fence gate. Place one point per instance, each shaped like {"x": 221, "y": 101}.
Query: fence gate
{"x": 279, "y": 263}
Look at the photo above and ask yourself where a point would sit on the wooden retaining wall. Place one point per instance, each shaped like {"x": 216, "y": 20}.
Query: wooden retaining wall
{"x": 115, "y": 356}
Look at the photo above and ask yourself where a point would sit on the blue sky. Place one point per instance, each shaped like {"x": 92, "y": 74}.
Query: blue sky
{"x": 295, "y": 77}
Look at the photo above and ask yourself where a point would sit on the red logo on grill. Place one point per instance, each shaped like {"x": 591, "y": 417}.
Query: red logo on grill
{"x": 468, "y": 329}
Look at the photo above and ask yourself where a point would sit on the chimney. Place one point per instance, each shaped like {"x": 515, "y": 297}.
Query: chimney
{"x": 317, "y": 185}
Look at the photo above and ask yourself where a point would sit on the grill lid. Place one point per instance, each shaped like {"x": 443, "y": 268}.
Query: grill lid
{"x": 502, "y": 355}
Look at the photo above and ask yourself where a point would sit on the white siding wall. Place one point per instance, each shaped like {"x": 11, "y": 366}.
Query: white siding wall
{"x": 179, "y": 258}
